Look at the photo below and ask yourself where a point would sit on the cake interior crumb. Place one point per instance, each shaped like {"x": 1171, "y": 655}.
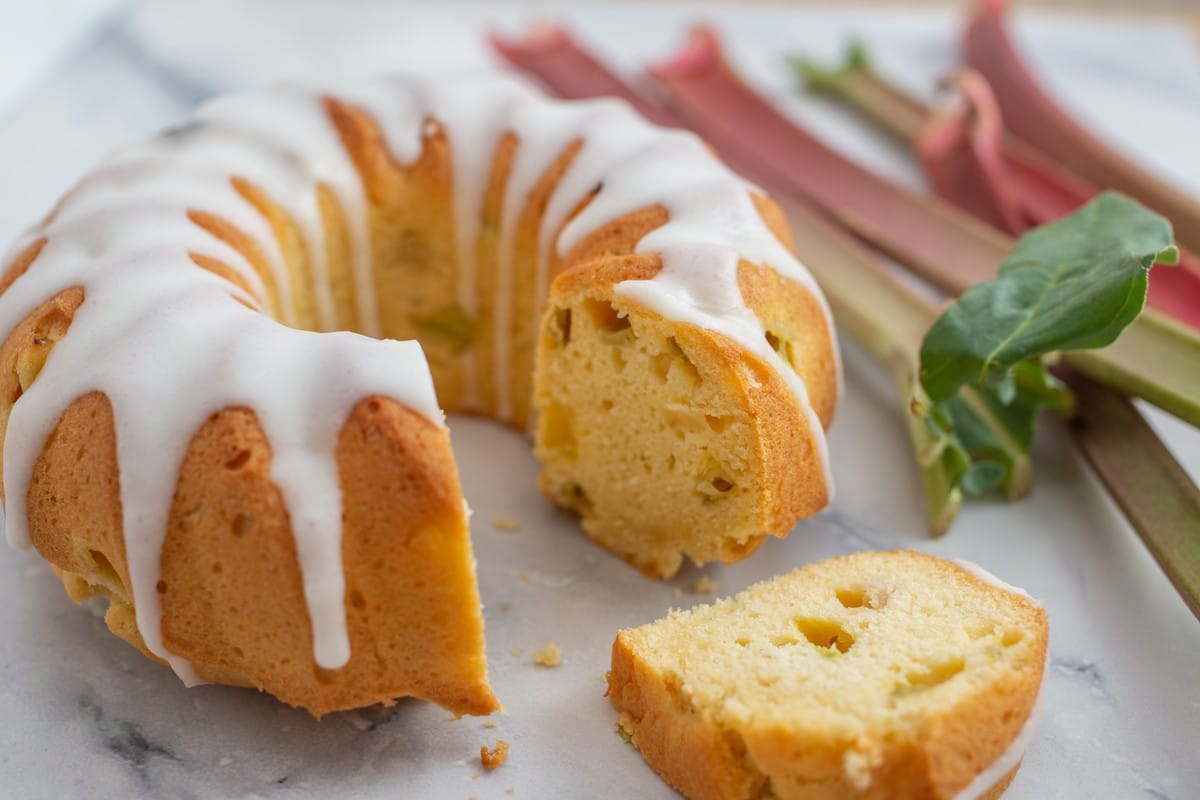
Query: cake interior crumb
{"x": 705, "y": 585}
{"x": 494, "y": 757}
{"x": 549, "y": 656}
{"x": 506, "y": 523}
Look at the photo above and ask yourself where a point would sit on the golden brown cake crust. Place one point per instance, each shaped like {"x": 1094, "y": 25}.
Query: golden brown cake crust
{"x": 706, "y": 758}
{"x": 230, "y": 587}
{"x": 693, "y": 754}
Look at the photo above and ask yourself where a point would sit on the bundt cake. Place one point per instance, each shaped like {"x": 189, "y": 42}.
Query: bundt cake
{"x": 873, "y": 676}
{"x": 267, "y": 499}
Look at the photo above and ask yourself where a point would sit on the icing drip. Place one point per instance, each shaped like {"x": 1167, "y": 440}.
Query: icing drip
{"x": 294, "y": 122}
{"x": 165, "y": 340}
{"x": 1007, "y": 761}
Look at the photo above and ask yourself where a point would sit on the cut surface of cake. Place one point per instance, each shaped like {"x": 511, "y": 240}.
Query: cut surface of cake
{"x": 222, "y": 347}
{"x": 875, "y": 675}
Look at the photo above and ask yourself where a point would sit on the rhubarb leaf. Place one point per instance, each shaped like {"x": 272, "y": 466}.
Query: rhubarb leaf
{"x": 1074, "y": 284}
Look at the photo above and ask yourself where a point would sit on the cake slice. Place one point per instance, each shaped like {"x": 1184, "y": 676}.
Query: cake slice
{"x": 873, "y": 675}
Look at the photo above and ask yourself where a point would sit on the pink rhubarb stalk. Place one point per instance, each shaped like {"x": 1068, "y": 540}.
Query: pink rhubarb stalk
{"x": 551, "y": 55}
{"x": 962, "y": 147}
{"x": 971, "y": 163}
{"x": 1036, "y": 117}
{"x": 920, "y": 232}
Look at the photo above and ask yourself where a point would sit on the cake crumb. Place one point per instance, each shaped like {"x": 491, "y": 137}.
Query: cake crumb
{"x": 676, "y": 592}
{"x": 705, "y": 585}
{"x": 550, "y": 656}
{"x": 489, "y": 724}
{"x": 495, "y": 757}
{"x": 511, "y": 790}
{"x": 516, "y": 651}
{"x": 523, "y": 577}
{"x": 505, "y": 606}
{"x": 506, "y": 523}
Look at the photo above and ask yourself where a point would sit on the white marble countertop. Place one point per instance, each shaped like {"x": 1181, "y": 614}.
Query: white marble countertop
{"x": 85, "y": 716}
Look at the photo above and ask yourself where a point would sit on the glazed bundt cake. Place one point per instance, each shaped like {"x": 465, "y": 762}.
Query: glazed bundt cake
{"x": 873, "y": 676}
{"x": 268, "y": 499}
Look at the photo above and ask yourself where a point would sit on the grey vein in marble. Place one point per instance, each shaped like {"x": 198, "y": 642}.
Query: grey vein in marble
{"x": 124, "y": 739}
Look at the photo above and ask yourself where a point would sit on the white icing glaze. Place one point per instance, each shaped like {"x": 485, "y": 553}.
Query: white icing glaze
{"x": 987, "y": 577}
{"x": 1000, "y": 767}
{"x": 294, "y": 123}
{"x": 169, "y": 344}
{"x": 1007, "y": 761}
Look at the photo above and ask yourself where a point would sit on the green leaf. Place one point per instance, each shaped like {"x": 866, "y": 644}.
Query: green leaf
{"x": 1070, "y": 285}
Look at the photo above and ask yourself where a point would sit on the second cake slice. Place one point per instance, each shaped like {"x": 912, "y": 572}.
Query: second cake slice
{"x": 874, "y": 675}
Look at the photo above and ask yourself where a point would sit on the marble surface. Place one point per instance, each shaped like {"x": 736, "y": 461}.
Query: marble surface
{"x": 86, "y": 716}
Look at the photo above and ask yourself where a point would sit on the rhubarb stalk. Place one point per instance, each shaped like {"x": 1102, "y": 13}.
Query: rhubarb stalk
{"x": 1025, "y": 187}
{"x": 971, "y": 163}
{"x": 1034, "y": 116}
{"x": 1153, "y": 491}
{"x": 548, "y": 53}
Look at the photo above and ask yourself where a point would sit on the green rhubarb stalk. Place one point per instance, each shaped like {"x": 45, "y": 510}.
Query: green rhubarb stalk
{"x": 1069, "y": 286}
{"x": 1156, "y": 359}
{"x": 1153, "y": 491}
{"x": 855, "y": 82}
